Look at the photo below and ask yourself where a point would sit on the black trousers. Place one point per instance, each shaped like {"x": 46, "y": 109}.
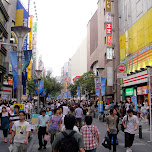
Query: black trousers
{"x": 41, "y": 133}
{"x": 129, "y": 139}
{"x": 5, "y": 132}
{"x": 114, "y": 141}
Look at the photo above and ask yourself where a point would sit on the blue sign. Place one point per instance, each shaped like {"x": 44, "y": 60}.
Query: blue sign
{"x": 13, "y": 58}
{"x": 134, "y": 100}
{"x": 100, "y": 108}
{"x": 103, "y": 86}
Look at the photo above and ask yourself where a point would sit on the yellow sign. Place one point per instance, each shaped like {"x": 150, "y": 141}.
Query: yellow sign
{"x": 100, "y": 101}
{"x": 21, "y": 106}
{"x": 29, "y": 71}
{"x": 30, "y": 35}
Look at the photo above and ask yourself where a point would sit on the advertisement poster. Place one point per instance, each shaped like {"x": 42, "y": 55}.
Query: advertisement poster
{"x": 100, "y": 107}
{"x": 97, "y": 86}
{"x": 134, "y": 100}
{"x": 103, "y": 86}
{"x": 34, "y": 119}
{"x": 21, "y": 106}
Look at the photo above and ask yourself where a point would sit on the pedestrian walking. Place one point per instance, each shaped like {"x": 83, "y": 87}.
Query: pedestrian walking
{"x": 69, "y": 140}
{"x": 54, "y": 125}
{"x": 42, "y": 123}
{"x": 48, "y": 112}
{"x": 21, "y": 131}
{"x": 130, "y": 123}
{"x": 4, "y": 123}
{"x": 15, "y": 117}
{"x": 78, "y": 115}
{"x": 89, "y": 133}
{"x": 112, "y": 127}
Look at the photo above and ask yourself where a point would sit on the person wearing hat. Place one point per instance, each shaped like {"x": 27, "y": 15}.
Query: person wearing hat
{"x": 43, "y": 120}
{"x": 130, "y": 123}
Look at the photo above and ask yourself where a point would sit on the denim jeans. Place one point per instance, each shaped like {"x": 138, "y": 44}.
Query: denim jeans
{"x": 93, "y": 150}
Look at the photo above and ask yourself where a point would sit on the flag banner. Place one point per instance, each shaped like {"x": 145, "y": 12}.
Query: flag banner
{"x": 13, "y": 58}
{"x": 97, "y": 86}
{"x": 27, "y": 55}
{"x": 103, "y": 86}
{"x": 78, "y": 91}
{"x": 24, "y": 82}
{"x": 41, "y": 86}
{"x": 36, "y": 86}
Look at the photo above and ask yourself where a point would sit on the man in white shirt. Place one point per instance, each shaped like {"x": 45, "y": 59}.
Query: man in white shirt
{"x": 65, "y": 109}
{"x": 21, "y": 131}
{"x": 130, "y": 123}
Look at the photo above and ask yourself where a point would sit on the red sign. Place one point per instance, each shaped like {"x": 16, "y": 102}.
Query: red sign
{"x": 122, "y": 68}
{"x": 109, "y": 40}
{"x": 109, "y": 28}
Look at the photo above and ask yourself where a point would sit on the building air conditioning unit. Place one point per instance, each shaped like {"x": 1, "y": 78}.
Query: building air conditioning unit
{"x": 112, "y": 0}
{"x": 113, "y": 30}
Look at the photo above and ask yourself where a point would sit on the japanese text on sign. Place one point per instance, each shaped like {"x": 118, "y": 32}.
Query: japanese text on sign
{"x": 108, "y": 5}
{"x": 109, "y": 28}
{"x": 109, "y": 40}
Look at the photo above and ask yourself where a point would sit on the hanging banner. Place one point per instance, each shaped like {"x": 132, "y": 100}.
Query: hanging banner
{"x": 100, "y": 108}
{"x": 97, "y": 86}
{"x": 13, "y": 58}
{"x": 134, "y": 100}
{"x": 41, "y": 86}
{"x": 29, "y": 71}
{"x": 103, "y": 86}
{"x": 27, "y": 55}
{"x": 36, "y": 86}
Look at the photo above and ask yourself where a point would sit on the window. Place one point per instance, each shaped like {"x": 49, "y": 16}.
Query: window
{"x": 2, "y": 59}
{"x": 2, "y": 19}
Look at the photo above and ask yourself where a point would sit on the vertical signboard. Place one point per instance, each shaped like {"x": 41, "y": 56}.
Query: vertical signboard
{"x": 108, "y": 5}
{"x": 108, "y": 17}
{"x": 109, "y": 28}
{"x": 109, "y": 76}
{"x": 97, "y": 86}
{"x": 109, "y": 40}
{"x": 109, "y": 53}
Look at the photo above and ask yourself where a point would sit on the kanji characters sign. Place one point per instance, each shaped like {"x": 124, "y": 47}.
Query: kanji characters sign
{"x": 108, "y": 5}
{"x": 109, "y": 40}
{"x": 109, "y": 28}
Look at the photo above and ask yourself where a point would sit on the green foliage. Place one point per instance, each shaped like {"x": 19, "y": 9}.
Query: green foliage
{"x": 86, "y": 81}
{"x": 51, "y": 86}
{"x": 73, "y": 89}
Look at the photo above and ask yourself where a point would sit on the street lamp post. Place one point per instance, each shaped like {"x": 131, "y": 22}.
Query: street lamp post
{"x": 20, "y": 32}
{"x": 100, "y": 70}
{"x": 38, "y": 74}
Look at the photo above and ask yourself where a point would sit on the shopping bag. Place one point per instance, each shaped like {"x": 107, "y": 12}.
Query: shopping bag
{"x": 10, "y": 148}
{"x": 106, "y": 142}
{"x": 46, "y": 137}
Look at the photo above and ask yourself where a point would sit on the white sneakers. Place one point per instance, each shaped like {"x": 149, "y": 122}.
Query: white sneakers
{"x": 128, "y": 150}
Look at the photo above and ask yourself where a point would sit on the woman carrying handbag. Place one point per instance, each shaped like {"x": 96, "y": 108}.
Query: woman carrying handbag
{"x": 111, "y": 125}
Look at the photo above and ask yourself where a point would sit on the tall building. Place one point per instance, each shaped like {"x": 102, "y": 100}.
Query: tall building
{"x": 103, "y": 45}
{"x": 78, "y": 62}
{"x": 135, "y": 36}
{"x": 7, "y": 20}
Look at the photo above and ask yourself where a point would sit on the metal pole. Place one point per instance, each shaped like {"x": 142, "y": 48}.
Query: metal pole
{"x": 38, "y": 104}
{"x": 149, "y": 79}
{"x": 19, "y": 70}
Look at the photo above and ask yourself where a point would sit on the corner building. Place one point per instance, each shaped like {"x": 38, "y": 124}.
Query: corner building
{"x": 102, "y": 53}
{"x": 135, "y": 37}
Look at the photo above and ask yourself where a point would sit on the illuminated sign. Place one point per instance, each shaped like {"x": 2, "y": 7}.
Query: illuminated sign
{"x": 109, "y": 53}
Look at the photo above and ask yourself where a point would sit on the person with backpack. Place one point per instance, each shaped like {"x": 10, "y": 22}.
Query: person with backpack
{"x": 112, "y": 127}
{"x": 89, "y": 132}
{"x": 69, "y": 140}
{"x": 130, "y": 123}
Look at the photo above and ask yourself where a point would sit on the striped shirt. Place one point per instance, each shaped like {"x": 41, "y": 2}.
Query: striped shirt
{"x": 14, "y": 117}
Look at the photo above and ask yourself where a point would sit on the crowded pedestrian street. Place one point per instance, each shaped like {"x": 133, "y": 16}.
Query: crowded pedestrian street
{"x": 75, "y": 75}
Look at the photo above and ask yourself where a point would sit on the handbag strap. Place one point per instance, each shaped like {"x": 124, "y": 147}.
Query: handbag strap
{"x": 90, "y": 131}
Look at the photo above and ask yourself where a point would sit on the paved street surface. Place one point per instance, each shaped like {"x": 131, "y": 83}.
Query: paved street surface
{"x": 140, "y": 145}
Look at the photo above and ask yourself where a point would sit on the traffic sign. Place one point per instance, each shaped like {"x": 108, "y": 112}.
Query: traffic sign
{"x": 122, "y": 68}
